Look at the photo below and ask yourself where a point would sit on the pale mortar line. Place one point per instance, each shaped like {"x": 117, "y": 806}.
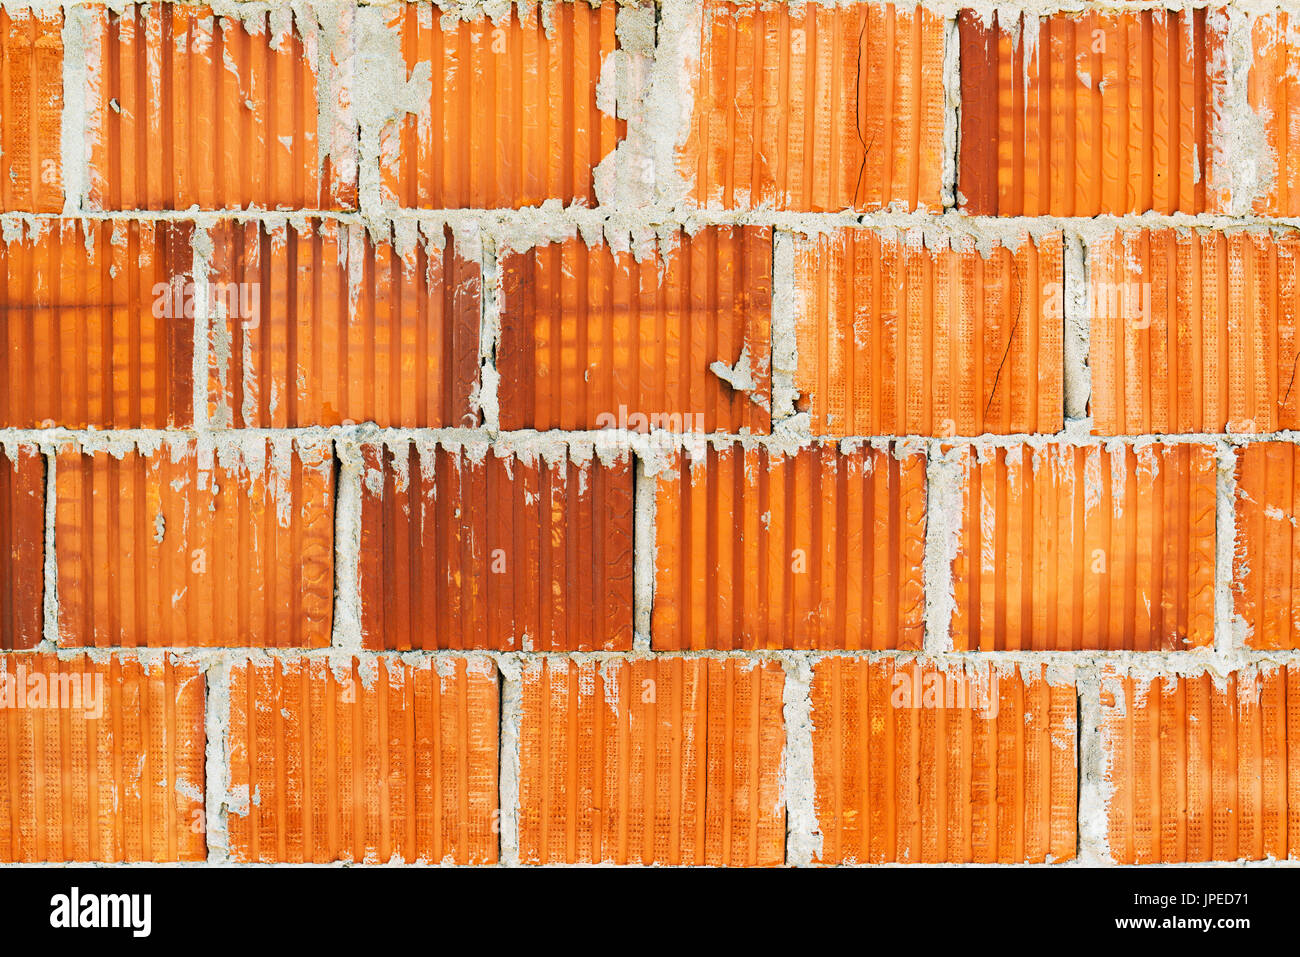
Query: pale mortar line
{"x": 510, "y": 671}
{"x": 803, "y": 842}
{"x": 347, "y": 545}
{"x": 216, "y": 703}
{"x": 644, "y": 553}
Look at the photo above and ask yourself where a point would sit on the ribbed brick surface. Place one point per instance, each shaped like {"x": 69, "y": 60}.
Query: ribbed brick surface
{"x": 379, "y": 760}
{"x": 670, "y": 761}
{"x": 817, "y": 549}
{"x": 486, "y": 549}
{"x": 917, "y": 764}
{"x": 1274, "y": 93}
{"x": 187, "y": 108}
{"x": 31, "y": 106}
{"x": 328, "y": 323}
{"x": 1068, "y": 547}
{"x": 1194, "y": 332}
{"x": 897, "y": 337}
{"x": 1201, "y": 768}
{"x": 1086, "y": 113}
{"x": 184, "y": 546}
{"x": 592, "y": 338}
{"x": 87, "y": 338}
{"x": 103, "y": 760}
{"x": 1265, "y": 568}
{"x": 512, "y": 117}
{"x": 817, "y": 107}
{"x": 22, "y": 546}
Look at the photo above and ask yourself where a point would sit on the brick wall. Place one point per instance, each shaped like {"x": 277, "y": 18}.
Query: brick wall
{"x": 701, "y": 432}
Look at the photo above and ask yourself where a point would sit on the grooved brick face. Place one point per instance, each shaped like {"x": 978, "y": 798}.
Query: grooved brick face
{"x": 31, "y": 110}
{"x": 327, "y": 325}
{"x": 1201, "y": 768}
{"x": 186, "y": 108}
{"x": 820, "y": 108}
{"x": 1266, "y": 566}
{"x": 1067, "y": 547}
{"x": 508, "y": 113}
{"x": 1194, "y": 332}
{"x": 1088, "y": 113}
{"x": 1274, "y": 94}
{"x": 488, "y": 549}
{"x": 104, "y": 760}
{"x": 664, "y": 761}
{"x": 187, "y": 546}
{"x": 88, "y": 341}
{"x": 22, "y": 546}
{"x": 898, "y": 337}
{"x": 382, "y": 760}
{"x": 821, "y": 548}
{"x": 591, "y": 338}
{"x": 915, "y": 764}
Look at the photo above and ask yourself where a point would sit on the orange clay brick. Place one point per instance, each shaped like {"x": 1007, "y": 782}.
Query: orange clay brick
{"x": 1202, "y": 768}
{"x": 900, "y": 338}
{"x": 1065, "y": 548}
{"x": 512, "y": 118}
{"x": 102, "y": 760}
{"x": 186, "y": 108}
{"x": 1266, "y": 566}
{"x": 325, "y": 325}
{"x": 652, "y": 761}
{"x": 187, "y": 546}
{"x": 86, "y": 339}
{"x": 379, "y": 760}
{"x": 590, "y": 338}
{"x": 821, "y": 548}
{"x": 916, "y": 764}
{"x": 487, "y": 549}
{"x": 31, "y": 110}
{"x": 22, "y": 546}
{"x": 821, "y": 108}
{"x": 1126, "y": 119}
{"x": 1274, "y": 95}
{"x": 1194, "y": 332}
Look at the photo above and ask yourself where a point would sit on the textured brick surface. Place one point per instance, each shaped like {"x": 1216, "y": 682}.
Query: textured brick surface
{"x": 817, "y": 107}
{"x": 1066, "y": 548}
{"x": 187, "y": 546}
{"x": 97, "y": 325}
{"x": 481, "y": 548}
{"x": 900, "y": 338}
{"x": 555, "y": 432}
{"x": 187, "y": 108}
{"x": 1201, "y": 768}
{"x": 103, "y": 760}
{"x": 513, "y": 115}
{"x": 913, "y": 763}
{"x": 820, "y": 549}
{"x": 670, "y": 761}
{"x": 327, "y": 323}
{"x": 31, "y": 106}
{"x": 22, "y": 546}
{"x": 1194, "y": 332}
{"x": 1081, "y": 114}
{"x": 592, "y": 338}
{"x": 1265, "y": 568}
{"x": 379, "y": 761}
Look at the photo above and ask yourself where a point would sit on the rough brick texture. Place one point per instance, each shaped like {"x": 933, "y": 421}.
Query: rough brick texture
{"x": 914, "y": 763}
{"x": 690, "y": 432}
{"x": 103, "y": 759}
{"x": 373, "y": 762}
{"x": 670, "y": 761}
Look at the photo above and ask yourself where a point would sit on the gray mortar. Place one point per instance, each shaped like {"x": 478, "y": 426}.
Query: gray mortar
{"x": 943, "y": 505}
{"x": 803, "y": 834}
{"x": 643, "y": 557}
{"x": 1095, "y": 788}
{"x": 216, "y": 728}
{"x": 785, "y": 345}
{"x": 76, "y": 162}
{"x": 1077, "y": 318}
{"x": 347, "y": 545}
{"x": 508, "y": 774}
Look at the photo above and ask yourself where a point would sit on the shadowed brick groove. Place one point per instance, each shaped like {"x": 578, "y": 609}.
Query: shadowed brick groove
{"x": 649, "y": 432}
